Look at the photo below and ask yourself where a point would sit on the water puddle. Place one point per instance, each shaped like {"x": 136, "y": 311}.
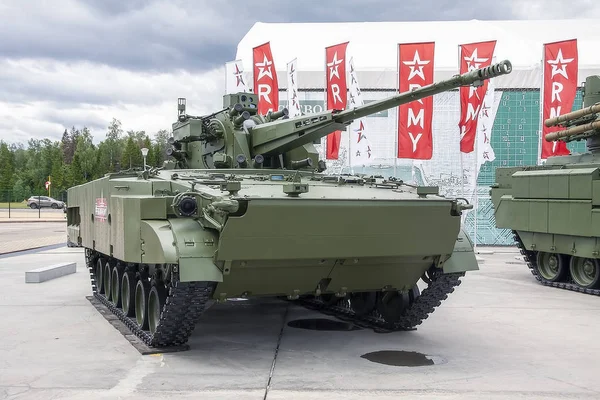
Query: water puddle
{"x": 399, "y": 358}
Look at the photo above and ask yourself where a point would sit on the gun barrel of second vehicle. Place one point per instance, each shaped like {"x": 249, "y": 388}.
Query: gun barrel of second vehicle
{"x": 589, "y": 128}
{"x": 593, "y": 109}
{"x": 469, "y": 78}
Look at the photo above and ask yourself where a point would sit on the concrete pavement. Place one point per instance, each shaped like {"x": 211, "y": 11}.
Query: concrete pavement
{"x": 500, "y": 335}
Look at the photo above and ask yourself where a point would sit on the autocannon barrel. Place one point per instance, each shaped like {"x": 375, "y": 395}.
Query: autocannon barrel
{"x": 593, "y": 109}
{"x": 469, "y": 78}
{"x": 278, "y": 137}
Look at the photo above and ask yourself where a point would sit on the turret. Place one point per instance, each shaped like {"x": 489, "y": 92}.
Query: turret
{"x": 583, "y": 123}
{"x": 238, "y": 137}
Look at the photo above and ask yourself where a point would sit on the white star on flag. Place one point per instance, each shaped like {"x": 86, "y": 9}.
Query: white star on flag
{"x": 474, "y": 62}
{"x": 261, "y": 66}
{"x": 333, "y": 66}
{"x": 563, "y": 62}
{"x": 416, "y": 66}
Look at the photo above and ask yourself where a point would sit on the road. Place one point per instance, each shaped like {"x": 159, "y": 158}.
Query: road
{"x": 16, "y": 236}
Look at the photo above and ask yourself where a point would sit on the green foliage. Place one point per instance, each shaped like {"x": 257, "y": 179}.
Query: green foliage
{"x": 132, "y": 157}
{"x": 73, "y": 160}
{"x": 7, "y": 166}
{"x": 20, "y": 191}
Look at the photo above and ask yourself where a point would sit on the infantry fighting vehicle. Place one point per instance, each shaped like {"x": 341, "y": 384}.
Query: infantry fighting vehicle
{"x": 553, "y": 210}
{"x": 245, "y": 209}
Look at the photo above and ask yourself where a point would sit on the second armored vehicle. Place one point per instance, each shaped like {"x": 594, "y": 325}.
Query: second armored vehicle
{"x": 554, "y": 209}
{"x": 245, "y": 210}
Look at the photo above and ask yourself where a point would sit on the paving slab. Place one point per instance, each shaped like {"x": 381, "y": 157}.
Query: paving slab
{"x": 500, "y": 335}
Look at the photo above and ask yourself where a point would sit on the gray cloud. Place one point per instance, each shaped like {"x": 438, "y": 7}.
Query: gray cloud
{"x": 551, "y": 9}
{"x": 83, "y": 62}
{"x": 97, "y": 84}
{"x": 193, "y": 35}
{"x": 157, "y": 36}
{"x": 167, "y": 35}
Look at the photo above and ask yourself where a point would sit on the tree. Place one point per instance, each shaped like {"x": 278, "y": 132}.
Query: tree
{"x": 7, "y": 167}
{"x": 20, "y": 191}
{"x": 138, "y": 137}
{"x": 113, "y": 141}
{"x": 68, "y": 147}
{"x": 74, "y": 159}
{"x": 160, "y": 146}
{"x": 86, "y": 155}
{"x": 132, "y": 156}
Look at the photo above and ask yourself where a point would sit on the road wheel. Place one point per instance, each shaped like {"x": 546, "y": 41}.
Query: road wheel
{"x": 156, "y": 301}
{"x": 585, "y": 272}
{"x": 128, "y": 293}
{"x": 142, "y": 290}
{"x": 552, "y": 266}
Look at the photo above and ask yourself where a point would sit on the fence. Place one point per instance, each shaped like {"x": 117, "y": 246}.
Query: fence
{"x": 37, "y": 206}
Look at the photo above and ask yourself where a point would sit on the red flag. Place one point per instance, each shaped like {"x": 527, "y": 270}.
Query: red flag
{"x": 266, "y": 86}
{"x": 560, "y": 87}
{"x": 415, "y": 69}
{"x": 336, "y": 87}
{"x": 472, "y": 56}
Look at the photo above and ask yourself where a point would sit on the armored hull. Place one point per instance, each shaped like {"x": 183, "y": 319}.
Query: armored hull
{"x": 553, "y": 209}
{"x": 243, "y": 209}
{"x": 554, "y": 214}
{"x": 348, "y": 246}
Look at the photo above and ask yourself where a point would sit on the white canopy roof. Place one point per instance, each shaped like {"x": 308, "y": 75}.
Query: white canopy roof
{"x": 374, "y": 47}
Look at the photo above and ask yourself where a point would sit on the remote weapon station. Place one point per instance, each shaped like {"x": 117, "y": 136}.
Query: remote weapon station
{"x": 553, "y": 210}
{"x": 244, "y": 209}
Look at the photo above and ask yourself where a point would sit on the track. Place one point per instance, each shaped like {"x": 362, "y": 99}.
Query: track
{"x": 185, "y": 302}
{"x": 184, "y": 305}
{"x": 420, "y": 306}
{"x": 530, "y": 259}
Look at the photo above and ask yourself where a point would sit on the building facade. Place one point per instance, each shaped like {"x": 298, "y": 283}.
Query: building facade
{"x": 515, "y": 137}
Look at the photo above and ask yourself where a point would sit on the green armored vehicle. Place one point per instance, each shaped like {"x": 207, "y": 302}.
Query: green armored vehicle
{"x": 554, "y": 209}
{"x": 245, "y": 209}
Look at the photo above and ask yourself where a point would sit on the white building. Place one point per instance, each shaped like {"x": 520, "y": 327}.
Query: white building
{"x": 374, "y": 47}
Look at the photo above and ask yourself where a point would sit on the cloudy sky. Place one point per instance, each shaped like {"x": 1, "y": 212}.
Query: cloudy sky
{"x": 70, "y": 63}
